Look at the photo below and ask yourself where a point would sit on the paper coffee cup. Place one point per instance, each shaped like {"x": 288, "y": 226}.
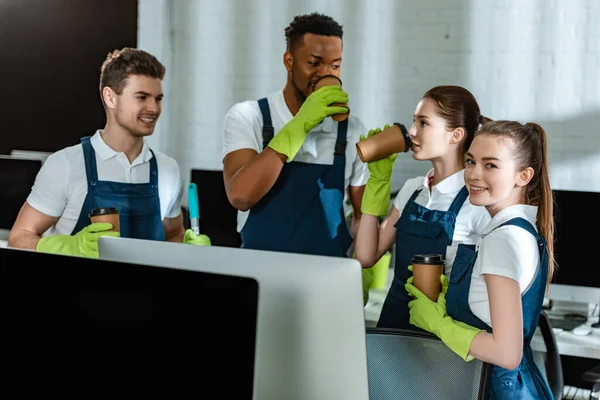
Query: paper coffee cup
{"x": 394, "y": 139}
{"x": 427, "y": 270}
{"x": 106, "y": 214}
{"x": 332, "y": 80}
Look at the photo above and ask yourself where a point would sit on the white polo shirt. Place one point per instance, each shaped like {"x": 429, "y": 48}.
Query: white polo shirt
{"x": 61, "y": 185}
{"x": 508, "y": 251}
{"x": 470, "y": 219}
{"x": 242, "y": 129}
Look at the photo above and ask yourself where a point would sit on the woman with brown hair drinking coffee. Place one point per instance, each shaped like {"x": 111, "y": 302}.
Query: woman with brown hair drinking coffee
{"x": 431, "y": 214}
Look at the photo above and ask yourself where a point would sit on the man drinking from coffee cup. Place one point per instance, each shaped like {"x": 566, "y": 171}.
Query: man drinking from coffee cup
{"x": 287, "y": 164}
{"x": 113, "y": 168}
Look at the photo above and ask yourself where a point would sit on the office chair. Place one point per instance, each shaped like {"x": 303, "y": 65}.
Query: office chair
{"x": 218, "y": 218}
{"x": 404, "y": 364}
{"x": 553, "y": 364}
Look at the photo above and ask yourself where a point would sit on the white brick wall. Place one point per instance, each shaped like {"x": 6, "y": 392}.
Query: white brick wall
{"x": 529, "y": 60}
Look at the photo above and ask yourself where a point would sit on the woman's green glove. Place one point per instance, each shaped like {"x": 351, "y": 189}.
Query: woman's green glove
{"x": 315, "y": 109}
{"x": 432, "y": 317}
{"x": 376, "y": 199}
{"x": 83, "y": 244}
{"x": 199, "y": 240}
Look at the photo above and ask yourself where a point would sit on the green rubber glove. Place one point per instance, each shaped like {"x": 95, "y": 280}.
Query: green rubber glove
{"x": 199, "y": 240}
{"x": 433, "y": 318}
{"x": 376, "y": 199}
{"x": 315, "y": 109}
{"x": 83, "y": 244}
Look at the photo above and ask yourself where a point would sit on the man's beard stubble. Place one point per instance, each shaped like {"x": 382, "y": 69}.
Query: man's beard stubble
{"x": 299, "y": 93}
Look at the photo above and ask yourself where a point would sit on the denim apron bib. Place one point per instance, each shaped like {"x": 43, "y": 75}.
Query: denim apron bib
{"x": 525, "y": 382}
{"x": 419, "y": 230}
{"x": 138, "y": 203}
{"x": 303, "y": 212}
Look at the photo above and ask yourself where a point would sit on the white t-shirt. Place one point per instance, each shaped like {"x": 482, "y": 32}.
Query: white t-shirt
{"x": 242, "y": 129}
{"x": 61, "y": 185}
{"x": 470, "y": 220}
{"x": 508, "y": 251}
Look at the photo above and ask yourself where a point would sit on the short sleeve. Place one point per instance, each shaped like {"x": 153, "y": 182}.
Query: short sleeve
{"x": 406, "y": 192}
{"x": 175, "y": 208}
{"x": 360, "y": 170}
{"x": 240, "y": 125}
{"x": 502, "y": 252}
{"x": 49, "y": 193}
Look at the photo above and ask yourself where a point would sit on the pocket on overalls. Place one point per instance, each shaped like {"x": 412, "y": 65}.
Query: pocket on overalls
{"x": 504, "y": 384}
{"x": 462, "y": 262}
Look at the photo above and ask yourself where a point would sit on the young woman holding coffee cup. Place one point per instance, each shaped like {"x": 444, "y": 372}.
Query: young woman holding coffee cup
{"x": 431, "y": 214}
{"x": 491, "y": 305}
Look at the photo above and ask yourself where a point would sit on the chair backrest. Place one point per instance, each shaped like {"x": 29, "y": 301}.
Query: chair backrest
{"x": 218, "y": 218}
{"x": 405, "y": 364}
{"x": 552, "y": 361}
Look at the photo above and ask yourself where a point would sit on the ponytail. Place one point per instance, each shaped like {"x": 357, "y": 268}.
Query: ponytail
{"x": 541, "y": 194}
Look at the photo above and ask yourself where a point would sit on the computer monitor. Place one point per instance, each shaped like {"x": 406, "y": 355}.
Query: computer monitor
{"x": 311, "y": 341}
{"x": 218, "y": 218}
{"x": 72, "y": 324}
{"x": 17, "y": 176}
{"x": 574, "y": 248}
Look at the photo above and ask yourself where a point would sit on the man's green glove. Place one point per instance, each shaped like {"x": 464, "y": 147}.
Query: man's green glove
{"x": 84, "y": 243}
{"x": 376, "y": 199}
{"x": 315, "y": 109}
{"x": 433, "y": 318}
{"x": 199, "y": 240}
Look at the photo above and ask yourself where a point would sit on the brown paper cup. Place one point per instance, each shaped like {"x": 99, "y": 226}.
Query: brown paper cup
{"x": 332, "y": 80}
{"x": 394, "y": 139}
{"x": 108, "y": 214}
{"x": 427, "y": 270}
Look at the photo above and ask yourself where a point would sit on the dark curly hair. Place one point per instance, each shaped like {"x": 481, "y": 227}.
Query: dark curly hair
{"x": 318, "y": 24}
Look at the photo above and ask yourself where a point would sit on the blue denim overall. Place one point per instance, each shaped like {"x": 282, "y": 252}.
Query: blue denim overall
{"x": 303, "y": 212}
{"x": 419, "y": 230}
{"x": 138, "y": 203}
{"x": 525, "y": 382}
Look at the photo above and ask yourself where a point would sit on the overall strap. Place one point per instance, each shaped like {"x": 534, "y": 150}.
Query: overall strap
{"x": 153, "y": 170}
{"x": 267, "y": 131}
{"x": 521, "y": 223}
{"x": 415, "y": 194}
{"x": 459, "y": 200}
{"x": 524, "y": 224}
{"x": 89, "y": 155}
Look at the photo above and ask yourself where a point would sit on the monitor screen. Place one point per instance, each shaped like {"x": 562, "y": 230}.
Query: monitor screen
{"x": 311, "y": 325}
{"x": 67, "y": 321}
{"x": 573, "y": 278}
{"x": 572, "y": 237}
{"x": 218, "y": 218}
{"x": 17, "y": 176}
